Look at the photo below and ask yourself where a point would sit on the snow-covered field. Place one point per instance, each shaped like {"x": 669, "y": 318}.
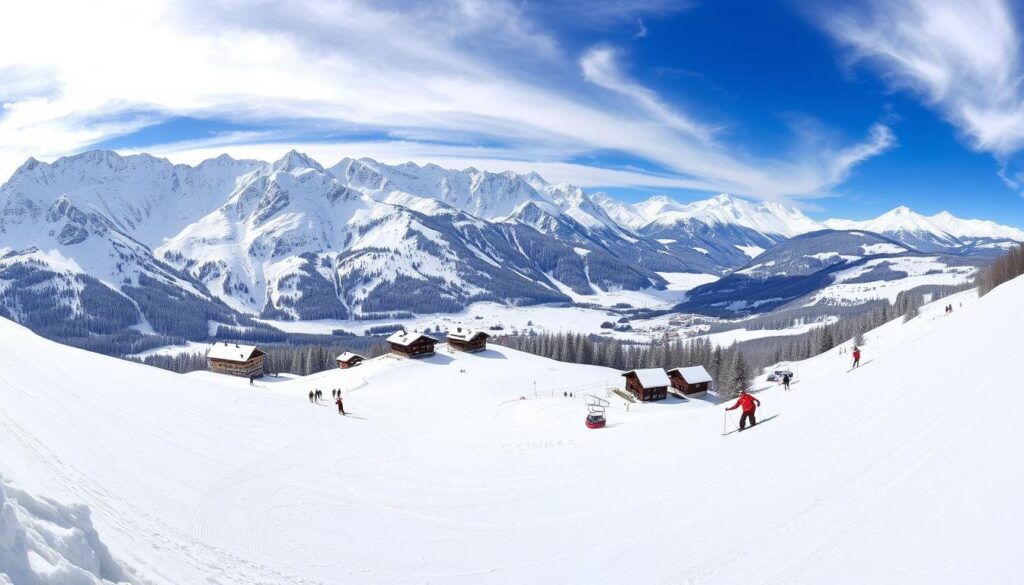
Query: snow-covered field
{"x": 900, "y": 472}
{"x": 727, "y": 338}
{"x": 921, "y": 271}
{"x": 540, "y": 318}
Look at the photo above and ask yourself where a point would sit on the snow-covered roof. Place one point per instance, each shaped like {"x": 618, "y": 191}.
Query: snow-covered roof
{"x": 693, "y": 374}
{"x": 231, "y": 352}
{"x": 348, "y": 356}
{"x": 650, "y": 377}
{"x": 405, "y": 338}
{"x": 465, "y": 333}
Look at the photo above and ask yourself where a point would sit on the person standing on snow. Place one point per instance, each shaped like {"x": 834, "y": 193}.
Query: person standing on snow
{"x": 749, "y": 404}
{"x": 785, "y": 381}
{"x": 856, "y": 356}
{"x": 311, "y": 396}
{"x": 341, "y": 406}
{"x": 252, "y": 380}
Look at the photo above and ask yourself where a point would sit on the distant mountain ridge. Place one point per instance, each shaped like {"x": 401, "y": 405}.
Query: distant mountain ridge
{"x": 112, "y": 243}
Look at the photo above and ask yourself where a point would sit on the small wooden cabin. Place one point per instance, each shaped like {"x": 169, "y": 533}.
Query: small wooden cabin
{"x": 690, "y": 381}
{"x": 648, "y": 384}
{"x": 412, "y": 345}
{"x": 349, "y": 359}
{"x": 236, "y": 360}
{"x": 468, "y": 340}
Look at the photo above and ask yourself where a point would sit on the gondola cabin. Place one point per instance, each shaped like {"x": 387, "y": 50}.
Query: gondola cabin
{"x": 468, "y": 340}
{"x": 648, "y": 384}
{"x": 411, "y": 345}
{"x": 348, "y": 360}
{"x": 691, "y": 381}
{"x": 236, "y": 360}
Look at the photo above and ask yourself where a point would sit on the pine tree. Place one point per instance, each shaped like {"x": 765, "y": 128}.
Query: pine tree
{"x": 739, "y": 375}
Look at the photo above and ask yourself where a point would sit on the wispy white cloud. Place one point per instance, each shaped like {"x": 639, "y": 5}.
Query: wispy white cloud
{"x": 961, "y": 58}
{"x": 641, "y": 31}
{"x": 600, "y": 66}
{"x": 478, "y": 71}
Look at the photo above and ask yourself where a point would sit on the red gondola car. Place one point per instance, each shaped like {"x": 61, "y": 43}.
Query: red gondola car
{"x": 595, "y": 421}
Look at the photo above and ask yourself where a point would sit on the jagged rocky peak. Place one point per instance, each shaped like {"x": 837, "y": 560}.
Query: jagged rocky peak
{"x": 294, "y": 161}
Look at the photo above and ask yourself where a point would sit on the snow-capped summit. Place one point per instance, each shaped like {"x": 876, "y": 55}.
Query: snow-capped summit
{"x": 767, "y": 218}
{"x": 937, "y": 232}
{"x": 975, "y": 228}
{"x": 294, "y": 160}
{"x": 293, "y": 239}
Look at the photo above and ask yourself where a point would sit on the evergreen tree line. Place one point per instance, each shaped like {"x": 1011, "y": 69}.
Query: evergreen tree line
{"x": 1005, "y": 268}
{"x": 733, "y": 368}
{"x": 729, "y": 367}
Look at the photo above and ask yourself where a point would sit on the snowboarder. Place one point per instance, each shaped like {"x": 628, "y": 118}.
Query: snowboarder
{"x": 785, "y": 380}
{"x": 341, "y": 406}
{"x": 749, "y": 404}
{"x": 311, "y": 396}
{"x": 856, "y": 357}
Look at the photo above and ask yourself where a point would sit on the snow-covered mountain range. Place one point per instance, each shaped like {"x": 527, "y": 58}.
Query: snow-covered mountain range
{"x": 109, "y": 242}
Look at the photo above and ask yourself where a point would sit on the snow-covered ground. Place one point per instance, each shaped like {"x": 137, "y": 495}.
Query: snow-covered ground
{"x": 539, "y": 318}
{"x": 449, "y": 470}
{"x": 684, "y": 281}
{"x": 921, "y": 271}
{"x": 175, "y": 350}
{"x": 43, "y": 542}
{"x": 727, "y": 338}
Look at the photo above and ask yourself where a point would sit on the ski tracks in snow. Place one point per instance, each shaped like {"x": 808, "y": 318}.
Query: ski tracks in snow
{"x": 216, "y": 565}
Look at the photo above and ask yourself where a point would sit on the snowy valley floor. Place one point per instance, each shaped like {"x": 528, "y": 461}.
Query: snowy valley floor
{"x": 905, "y": 471}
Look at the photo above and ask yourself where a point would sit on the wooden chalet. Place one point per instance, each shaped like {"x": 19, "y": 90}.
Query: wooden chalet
{"x": 691, "y": 381}
{"x": 412, "y": 345}
{"x": 348, "y": 360}
{"x": 648, "y": 384}
{"x": 236, "y": 360}
{"x": 468, "y": 340}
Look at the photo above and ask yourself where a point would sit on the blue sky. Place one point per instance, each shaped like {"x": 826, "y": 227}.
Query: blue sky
{"x": 843, "y": 108}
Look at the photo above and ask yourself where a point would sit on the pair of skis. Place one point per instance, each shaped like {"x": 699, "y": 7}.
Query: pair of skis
{"x": 857, "y": 367}
{"x": 759, "y": 423}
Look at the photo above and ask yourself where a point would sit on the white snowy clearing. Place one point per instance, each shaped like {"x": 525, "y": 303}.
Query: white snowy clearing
{"x": 727, "y": 338}
{"x": 752, "y": 251}
{"x": 903, "y": 471}
{"x": 920, "y": 271}
{"x": 539, "y": 318}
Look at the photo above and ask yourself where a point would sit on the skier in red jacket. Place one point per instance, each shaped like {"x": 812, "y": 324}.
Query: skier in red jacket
{"x": 856, "y": 357}
{"x": 749, "y": 404}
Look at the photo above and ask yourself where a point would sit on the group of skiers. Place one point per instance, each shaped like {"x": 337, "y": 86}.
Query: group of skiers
{"x": 316, "y": 396}
{"x": 949, "y": 309}
{"x": 749, "y": 404}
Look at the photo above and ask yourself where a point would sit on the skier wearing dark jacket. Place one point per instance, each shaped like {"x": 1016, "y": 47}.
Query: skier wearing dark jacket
{"x": 341, "y": 406}
{"x": 749, "y": 404}
{"x": 785, "y": 381}
{"x": 311, "y": 396}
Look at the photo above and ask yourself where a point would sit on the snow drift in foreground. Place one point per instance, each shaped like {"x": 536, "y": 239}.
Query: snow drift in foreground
{"x": 453, "y": 470}
{"x": 43, "y": 542}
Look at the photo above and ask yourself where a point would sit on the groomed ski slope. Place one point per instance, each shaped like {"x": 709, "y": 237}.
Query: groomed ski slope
{"x": 905, "y": 471}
